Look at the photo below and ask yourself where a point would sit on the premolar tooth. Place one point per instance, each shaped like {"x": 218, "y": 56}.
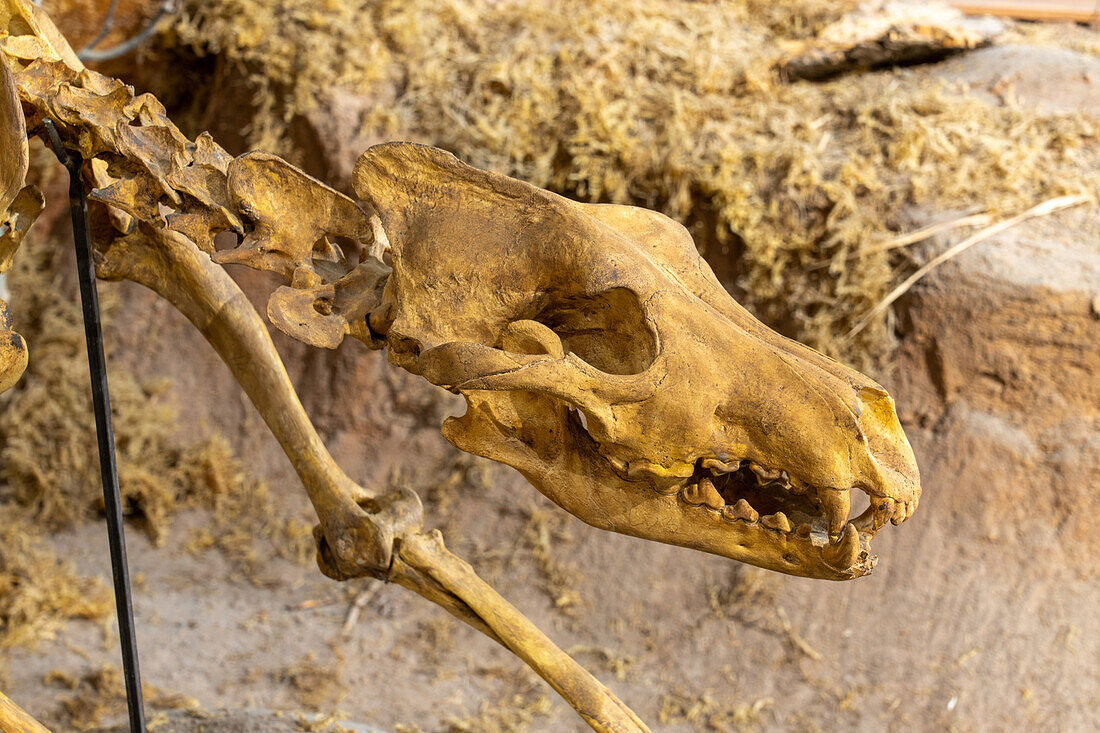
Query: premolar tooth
{"x": 711, "y": 497}
{"x": 804, "y": 530}
{"x": 837, "y": 505}
{"x": 718, "y": 466}
{"x": 844, "y": 552}
{"x": 777, "y": 521}
{"x": 692, "y": 494}
{"x": 741, "y": 510}
{"x": 667, "y": 486}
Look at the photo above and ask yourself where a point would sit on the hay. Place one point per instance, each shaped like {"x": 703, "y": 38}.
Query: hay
{"x": 38, "y": 591}
{"x": 49, "y": 465}
{"x": 672, "y": 105}
{"x": 245, "y": 523}
{"x": 317, "y": 686}
{"x": 100, "y": 695}
{"x": 49, "y": 462}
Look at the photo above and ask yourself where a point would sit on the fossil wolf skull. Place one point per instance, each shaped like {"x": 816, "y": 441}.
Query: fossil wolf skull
{"x": 599, "y": 356}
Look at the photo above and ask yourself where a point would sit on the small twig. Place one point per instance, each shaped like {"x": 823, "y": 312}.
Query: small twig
{"x": 1043, "y": 209}
{"x": 361, "y": 601}
{"x": 108, "y": 22}
{"x": 904, "y": 240}
{"x": 795, "y": 638}
{"x": 311, "y": 603}
{"x": 90, "y": 54}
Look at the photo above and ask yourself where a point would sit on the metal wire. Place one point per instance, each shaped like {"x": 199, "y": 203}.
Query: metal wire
{"x": 101, "y": 400}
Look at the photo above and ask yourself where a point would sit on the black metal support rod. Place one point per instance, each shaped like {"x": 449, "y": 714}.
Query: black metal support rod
{"x": 101, "y": 399}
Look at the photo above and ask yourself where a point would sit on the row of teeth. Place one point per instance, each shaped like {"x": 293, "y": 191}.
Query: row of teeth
{"x": 835, "y": 503}
{"x": 841, "y": 552}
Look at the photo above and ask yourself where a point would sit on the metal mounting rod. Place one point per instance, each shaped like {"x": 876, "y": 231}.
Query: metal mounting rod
{"x": 101, "y": 400}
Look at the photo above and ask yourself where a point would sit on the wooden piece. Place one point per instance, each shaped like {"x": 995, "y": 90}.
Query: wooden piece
{"x": 13, "y": 719}
{"x": 1080, "y": 11}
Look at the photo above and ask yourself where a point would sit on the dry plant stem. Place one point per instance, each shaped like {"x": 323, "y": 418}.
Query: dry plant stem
{"x": 13, "y": 719}
{"x": 904, "y": 240}
{"x": 595, "y": 703}
{"x": 1047, "y": 207}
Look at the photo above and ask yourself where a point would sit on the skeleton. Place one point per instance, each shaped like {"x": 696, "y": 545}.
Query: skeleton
{"x": 595, "y": 350}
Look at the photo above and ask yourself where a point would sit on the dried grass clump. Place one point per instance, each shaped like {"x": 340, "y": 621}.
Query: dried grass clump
{"x": 245, "y": 524}
{"x": 49, "y": 462}
{"x": 100, "y": 695}
{"x": 38, "y": 591}
{"x": 671, "y": 105}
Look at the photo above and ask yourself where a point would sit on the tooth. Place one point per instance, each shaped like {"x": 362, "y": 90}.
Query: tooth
{"x": 765, "y": 474}
{"x": 741, "y": 510}
{"x": 837, "y": 505}
{"x": 777, "y": 521}
{"x": 804, "y": 530}
{"x": 844, "y": 552}
{"x": 667, "y": 486}
{"x": 718, "y": 466}
{"x": 898, "y": 513}
{"x": 882, "y": 510}
{"x": 692, "y": 495}
{"x": 711, "y": 497}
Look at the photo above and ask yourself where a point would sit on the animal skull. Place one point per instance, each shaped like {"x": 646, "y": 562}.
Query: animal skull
{"x": 599, "y": 356}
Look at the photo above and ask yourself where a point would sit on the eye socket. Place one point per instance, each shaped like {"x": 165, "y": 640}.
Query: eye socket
{"x": 607, "y": 330}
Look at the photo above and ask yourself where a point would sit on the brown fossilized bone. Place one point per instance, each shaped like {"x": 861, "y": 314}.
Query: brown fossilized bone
{"x": 595, "y": 349}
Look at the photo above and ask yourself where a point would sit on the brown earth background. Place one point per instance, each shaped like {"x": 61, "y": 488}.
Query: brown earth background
{"x": 983, "y": 613}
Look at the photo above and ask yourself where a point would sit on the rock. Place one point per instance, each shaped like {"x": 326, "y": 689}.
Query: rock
{"x": 1049, "y": 79}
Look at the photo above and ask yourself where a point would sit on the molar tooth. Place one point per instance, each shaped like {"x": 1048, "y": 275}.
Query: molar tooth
{"x": 777, "y": 521}
{"x": 844, "y": 552}
{"x": 765, "y": 474}
{"x": 741, "y": 510}
{"x": 692, "y": 494}
{"x": 837, "y": 505}
{"x": 710, "y": 495}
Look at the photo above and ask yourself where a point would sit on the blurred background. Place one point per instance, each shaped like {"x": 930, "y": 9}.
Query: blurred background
{"x": 821, "y": 153}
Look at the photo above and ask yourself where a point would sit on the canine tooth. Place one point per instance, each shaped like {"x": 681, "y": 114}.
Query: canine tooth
{"x": 777, "y": 521}
{"x": 804, "y": 530}
{"x": 837, "y": 505}
{"x": 844, "y": 552}
{"x": 692, "y": 494}
{"x": 741, "y": 510}
{"x": 710, "y": 495}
